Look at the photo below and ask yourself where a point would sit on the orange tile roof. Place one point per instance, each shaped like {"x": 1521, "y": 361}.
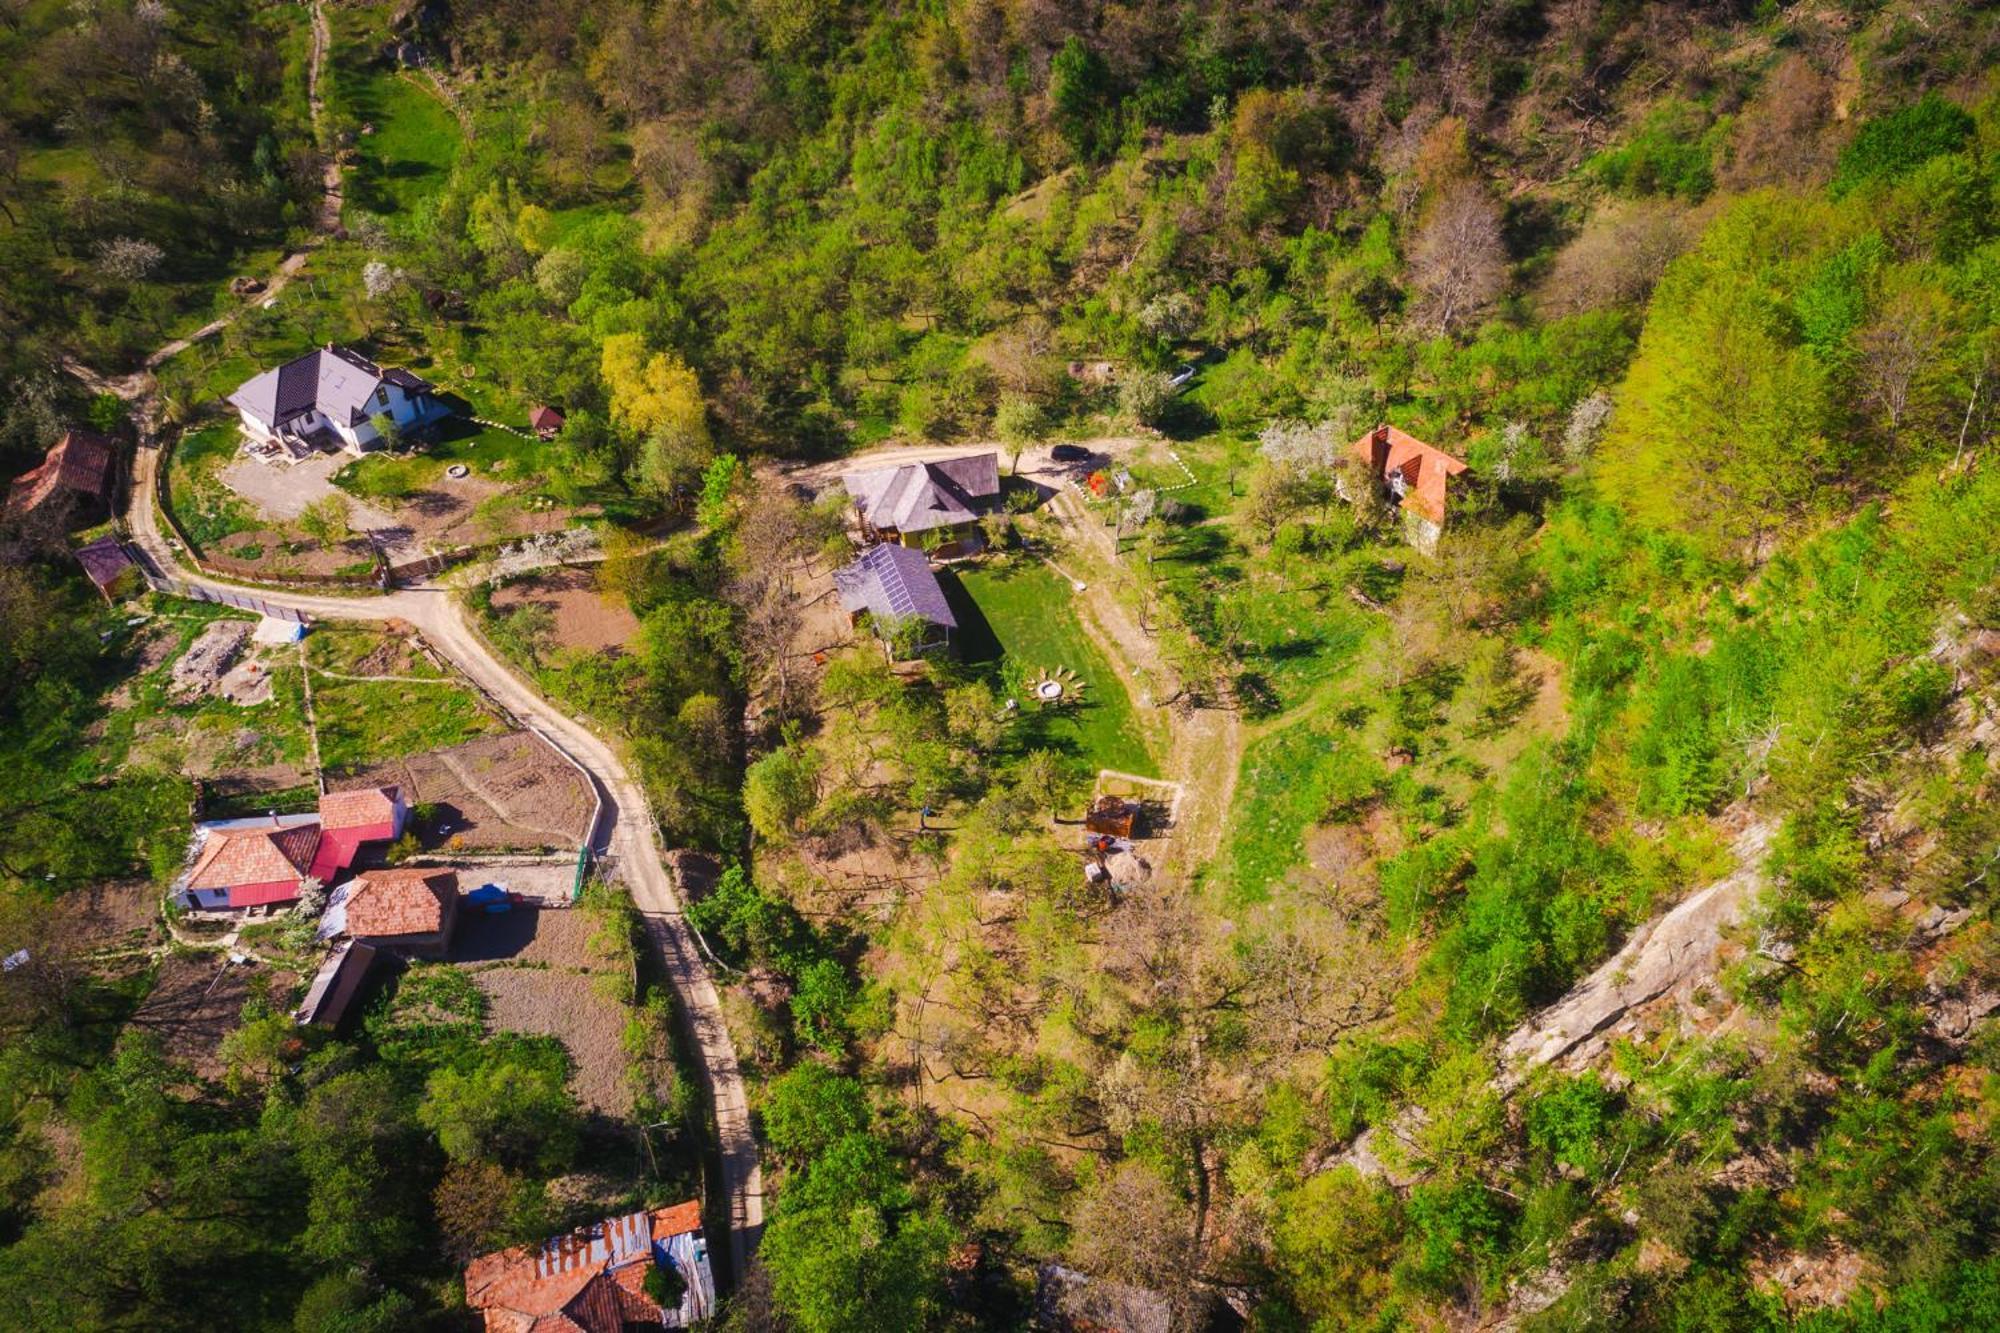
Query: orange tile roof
{"x": 261, "y": 854}
{"x": 590, "y": 1280}
{"x": 1425, "y": 468}
{"x": 400, "y": 902}
{"x": 359, "y": 808}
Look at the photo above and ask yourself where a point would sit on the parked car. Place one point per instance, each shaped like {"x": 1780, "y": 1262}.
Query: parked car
{"x": 1069, "y": 453}
{"x": 1181, "y": 377}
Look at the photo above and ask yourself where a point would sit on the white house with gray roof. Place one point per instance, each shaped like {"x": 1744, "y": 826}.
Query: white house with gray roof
{"x": 329, "y": 399}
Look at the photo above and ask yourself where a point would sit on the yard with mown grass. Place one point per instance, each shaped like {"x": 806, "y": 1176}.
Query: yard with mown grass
{"x": 364, "y": 722}
{"x": 1023, "y": 621}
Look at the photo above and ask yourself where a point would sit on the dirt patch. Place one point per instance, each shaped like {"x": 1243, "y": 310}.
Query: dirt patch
{"x": 584, "y": 618}
{"x": 124, "y": 914}
{"x": 509, "y": 792}
{"x": 246, "y": 684}
{"x": 542, "y": 974}
{"x": 207, "y": 660}
{"x": 197, "y": 1000}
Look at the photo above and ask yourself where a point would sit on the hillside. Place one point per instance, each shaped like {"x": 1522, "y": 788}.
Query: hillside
{"x": 1562, "y": 890}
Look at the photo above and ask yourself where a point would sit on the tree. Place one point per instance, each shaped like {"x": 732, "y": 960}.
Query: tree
{"x": 849, "y": 1247}
{"x": 1019, "y": 422}
{"x": 505, "y": 1110}
{"x": 1131, "y": 1226}
{"x": 475, "y": 1204}
{"x": 652, "y": 391}
{"x": 1145, "y": 396}
{"x": 1902, "y": 353}
{"x": 326, "y": 520}
{"x": 1458, "y": 264}
{"x": 781, "y": 790}
{"x": 809, "y": 1109}
{"x": 820, "y": 1004}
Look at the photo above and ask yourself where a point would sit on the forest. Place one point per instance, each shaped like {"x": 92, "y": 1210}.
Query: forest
{"x": 1393, "y": 1031}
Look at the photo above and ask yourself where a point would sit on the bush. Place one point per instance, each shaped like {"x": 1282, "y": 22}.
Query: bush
{"x": 1888, "y": 146}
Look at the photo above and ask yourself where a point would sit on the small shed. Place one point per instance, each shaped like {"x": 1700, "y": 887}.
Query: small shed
{"x": 109, "y": 566}
{"x": 336, "y": 985}
{"x": 545, "y": 421}
{"x": 1113, "y": 815}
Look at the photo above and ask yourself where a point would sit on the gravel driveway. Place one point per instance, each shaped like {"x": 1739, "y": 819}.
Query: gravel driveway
{"x": 281, "y": 492}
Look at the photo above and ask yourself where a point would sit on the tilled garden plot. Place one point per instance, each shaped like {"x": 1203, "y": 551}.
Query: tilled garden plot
{"x": 510, "y": 792}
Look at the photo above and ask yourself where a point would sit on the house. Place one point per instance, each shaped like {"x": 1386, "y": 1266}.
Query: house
{"x": 237, "y": 863}
{"x": 1416, "y": 475}
{"x": 927, "y": 504}
{"x": 409, "y": 911}
{"x": 351, "y": 818}
{"x": 336, "y": 985}
{"x": 250, "y": 862}
{"x": 108, "y": 565}
{"x": 72, "y": 480}
{"x": 893, "y": 587}
{"x": 330, "y": 399}
{"x": 594, "y": 1280}
{"x": 546, "y": 422}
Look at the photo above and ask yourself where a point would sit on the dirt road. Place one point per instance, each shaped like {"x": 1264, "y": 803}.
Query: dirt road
{"x": 626, "y": 832}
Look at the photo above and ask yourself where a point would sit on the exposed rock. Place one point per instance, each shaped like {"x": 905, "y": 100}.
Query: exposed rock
{"x": 1677, "y": 952}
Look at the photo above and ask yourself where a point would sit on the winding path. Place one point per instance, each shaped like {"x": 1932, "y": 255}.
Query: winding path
{"x": 625, "y": 832}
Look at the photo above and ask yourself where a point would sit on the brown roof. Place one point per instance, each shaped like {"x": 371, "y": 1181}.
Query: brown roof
{"x": 401, "y": 902}
{"x": 1424, "y": 468}
{"x": 545, "y": 418}
{"x": 80, "y": 462}
{"x": 358, "y": 809}
{"x": 260, "y": 854}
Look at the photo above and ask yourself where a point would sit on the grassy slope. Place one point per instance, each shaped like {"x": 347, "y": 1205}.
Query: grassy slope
{"x": 1034, "y": 628}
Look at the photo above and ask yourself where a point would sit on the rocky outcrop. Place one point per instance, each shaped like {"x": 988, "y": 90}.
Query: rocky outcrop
{"x": 1669, "y": 957}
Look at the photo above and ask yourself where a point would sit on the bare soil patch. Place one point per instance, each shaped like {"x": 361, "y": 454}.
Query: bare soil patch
{"x": 584, "y": 618}
{"x": 124, "y": 914}
{"x": 208, "y": 659}
{"x": 509, "y": 792}
{"x": 542, "y": 974}
{"x": 197, "y": 1000}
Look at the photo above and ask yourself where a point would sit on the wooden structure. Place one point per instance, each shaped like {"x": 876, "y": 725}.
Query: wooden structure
{"x": 1113, "y": 815}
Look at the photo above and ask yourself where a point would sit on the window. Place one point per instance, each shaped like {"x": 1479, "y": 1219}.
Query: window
{"x": 382, "y": 395}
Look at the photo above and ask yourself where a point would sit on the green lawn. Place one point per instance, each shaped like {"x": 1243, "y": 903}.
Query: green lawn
{"x": 1019, "y": 616}
{"x": 416, "y": 140}
{"x": 366, "y": 722}
{"x": 206, "y": 510}
{"x": 1290, "y": 781}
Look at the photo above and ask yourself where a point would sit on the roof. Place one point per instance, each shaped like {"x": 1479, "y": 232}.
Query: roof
{"x": 260, "y": 851}
{"x": 364, "y": 807}
{"x": 1424, "y": 468}
{"x": 337, "y": 382}
{"x": 545, "y": 418}
{"x": 336, "y": 984}
{"x": 80, "y": 463}
{"x": 104, "y": 560}
{"x": 917, "y": 497}
{"x": 386, "y": 903}
{"x": 589, "y": 1280}
{"x": 891, "y": 582}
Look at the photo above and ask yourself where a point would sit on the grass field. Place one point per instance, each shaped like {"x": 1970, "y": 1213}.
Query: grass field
{"x": 416, "y": 139}
{"x": 1291, "y": 779}
{"x": 365, "y": 722}
{"x": 206, "y": 510}
{"x": 1019, "y": 617}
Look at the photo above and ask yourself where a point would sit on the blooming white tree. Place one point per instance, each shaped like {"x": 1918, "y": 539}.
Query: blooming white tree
{"x": 128, "y": 258}
{"x": 1587, "y": 421}
{"x": 378, "y": 279}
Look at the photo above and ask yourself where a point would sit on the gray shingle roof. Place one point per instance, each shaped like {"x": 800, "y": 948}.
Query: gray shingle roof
{"x": 335, "y": 381}
{"x": 891, "y": 582}
{"x": 917, "y": 497}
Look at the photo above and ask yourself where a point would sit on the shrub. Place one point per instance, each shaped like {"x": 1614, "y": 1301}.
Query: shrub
{"x": 1888, "y": 146}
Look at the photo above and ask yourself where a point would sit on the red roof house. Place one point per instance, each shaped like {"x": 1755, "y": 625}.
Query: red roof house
{"x": 251, "y": 862}
{"x": 1416, "y": 474}
{"x": 76, "y": 467}
{"x": 350, "y": 818}
{"x": 593, "y": 1280}
{"x": 407, "y": 911}
{"x": 255, "y": 862}
{"x": 545, "y": 421}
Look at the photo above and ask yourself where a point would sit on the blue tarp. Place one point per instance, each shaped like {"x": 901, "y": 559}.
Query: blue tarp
{"x": 489, "y": 896}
